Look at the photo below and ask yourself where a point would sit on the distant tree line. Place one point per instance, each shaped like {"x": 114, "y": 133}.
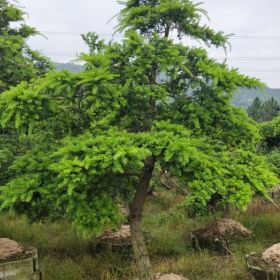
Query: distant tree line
{"x": 263, "y": 111}
{"x": 244, "y": 97}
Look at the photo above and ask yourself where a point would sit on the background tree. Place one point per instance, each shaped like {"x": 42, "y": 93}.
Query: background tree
{"x": 271, "y": 109}
{"x": 270, "y": 132}
{"x": 144, "y": 105}
{"x": 255, "y": 109}
{"x": 263, "y": 111}
{"x": 17, "y": 61}
{"x": 270, "y": 142}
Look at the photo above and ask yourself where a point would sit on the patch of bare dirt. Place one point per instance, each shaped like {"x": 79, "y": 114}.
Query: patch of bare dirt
{"x": 10, "y": 251}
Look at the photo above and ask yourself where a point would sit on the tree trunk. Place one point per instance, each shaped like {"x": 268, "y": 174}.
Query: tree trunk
{"x": 167, "y": 31}
{"x": 136, "y": 210}
{"x": 140, "y": 251}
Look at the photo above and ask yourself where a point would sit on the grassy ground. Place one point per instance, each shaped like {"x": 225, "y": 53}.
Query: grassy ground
{"x": 67, "y": 257}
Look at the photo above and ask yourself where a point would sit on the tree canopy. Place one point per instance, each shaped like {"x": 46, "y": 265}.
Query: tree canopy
{"x": 162, "y": 17}
{"x": 95, "y": 138}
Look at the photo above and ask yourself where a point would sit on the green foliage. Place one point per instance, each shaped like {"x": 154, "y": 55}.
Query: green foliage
{"x": 9, "y": 148}
{"x": 89, "y": 134}
{"x": 254, "y": 111}
{"x": 274, "y": 158}
{"x": 270, "y": 132}
{"x": 61, "y": 104}
{"x": 18, "y": 62}
{"x": 271, "y": 128}
{"x": 86, "y": 174}
{"x": 263, "y": 111}
{"x": 235, "y": 176}
{"x": 164, "y": 16}
{"x": 92, "y": 41}
{"x": 269, "y": 145}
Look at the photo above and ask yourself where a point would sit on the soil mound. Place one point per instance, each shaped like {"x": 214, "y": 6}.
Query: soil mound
{"x": 266, "y": 264}
{"x": 121, "y": 236}
{"x": 223, "y": 228}
{"x": 217, "y": 235}
{"x": 119, "y": 240}
{"x": 169, "y": 277}
{"x": 9, "y": 249}
{"x": 118, "y": 237}
{"x": 12, "y": 251}
{"x": 272, "y": 254}
{"x": 275, "y": 193}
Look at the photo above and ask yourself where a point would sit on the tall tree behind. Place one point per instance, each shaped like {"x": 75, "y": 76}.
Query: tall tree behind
{"x": 18, "y": 62}
{"x": 263, "y": 111}
{"x": 254, "y": 111}
{"x": 270, "y": 109}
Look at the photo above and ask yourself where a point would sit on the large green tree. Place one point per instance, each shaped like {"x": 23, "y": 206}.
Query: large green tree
{"x": 18, "y": 62}
{"x": 146, "y": 104}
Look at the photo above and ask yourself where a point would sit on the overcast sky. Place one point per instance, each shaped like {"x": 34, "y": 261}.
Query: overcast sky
{"x": 256, "y": 24}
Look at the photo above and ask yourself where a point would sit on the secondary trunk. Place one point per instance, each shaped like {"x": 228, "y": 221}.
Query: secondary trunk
{"x": 136, "y": 210}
